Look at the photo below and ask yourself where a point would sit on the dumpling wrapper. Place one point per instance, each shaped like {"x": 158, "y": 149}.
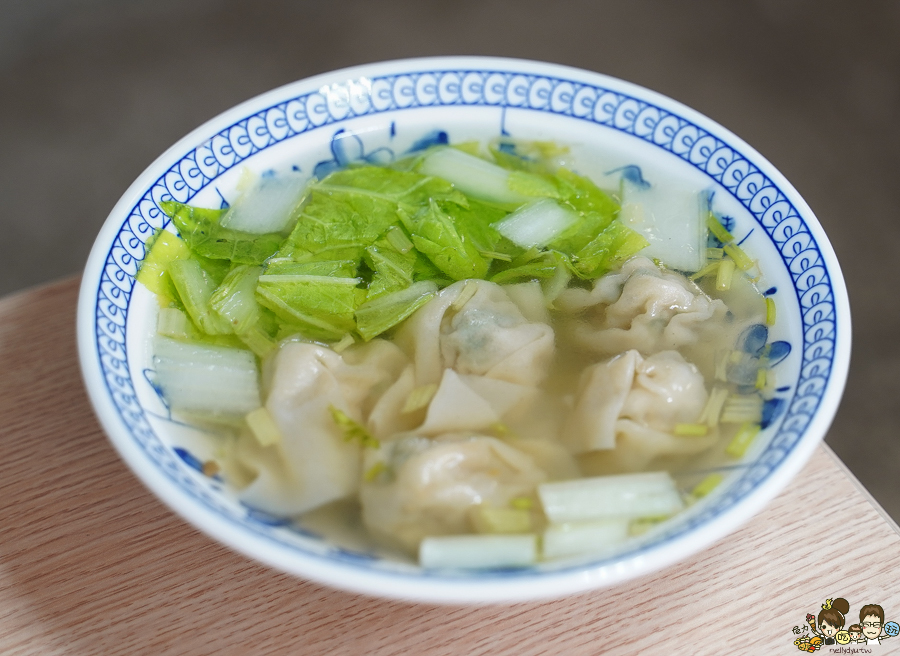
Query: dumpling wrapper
{"x": 312, "y": 464}
{"x": 433, "y": 483}
{"x": 629, "y": 406}
{"x": 487, "y": 336}
{"x": 645, "y": 308}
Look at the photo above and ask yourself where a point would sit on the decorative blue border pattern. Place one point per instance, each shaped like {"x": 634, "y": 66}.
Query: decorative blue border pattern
{"x": 600, "y": 106}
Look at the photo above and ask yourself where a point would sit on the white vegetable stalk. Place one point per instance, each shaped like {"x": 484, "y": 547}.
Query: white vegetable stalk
{"x": 536, "y": 224}
{"x": 212, "y": 380}
{"x": 267, "y": 206}
{"x": 672, "y": 220}
{"x": 472, "y": 175}
{"x": 572, "y": 539}
{"x": 625, "y": 496}
{"x": 478, "y": 551}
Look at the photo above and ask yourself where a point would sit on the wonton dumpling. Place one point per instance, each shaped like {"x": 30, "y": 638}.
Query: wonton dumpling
{"x": 474, "y": 403}
{"x": 486, "y": 336}
{"x": 629, "y": 406}
{"x": 315, "y": 464}
{"x": 641, "y": 307}
{"x": 431, "y": 484}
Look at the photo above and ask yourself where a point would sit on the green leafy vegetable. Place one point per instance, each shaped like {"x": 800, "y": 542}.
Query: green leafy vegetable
{"x": 376, "y": 316}
{"x": 200, "y": 229}
{"x": 393, "y": 269}
{"x": 323, "y": 307}
{"x": 437, "y": 236}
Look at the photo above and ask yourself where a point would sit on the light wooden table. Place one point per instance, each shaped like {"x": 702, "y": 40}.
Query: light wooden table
{"x": 91, "y": 562}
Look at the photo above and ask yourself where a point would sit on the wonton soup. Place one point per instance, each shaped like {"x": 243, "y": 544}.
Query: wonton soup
{"x": 477, "y": 355}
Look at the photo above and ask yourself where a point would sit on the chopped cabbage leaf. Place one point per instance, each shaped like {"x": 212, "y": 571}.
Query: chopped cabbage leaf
{"x": 448, "y": 245}
{"x": 351, "y": 209}
{"x": 378, "y": 315}
{"x": 201, "y": 230}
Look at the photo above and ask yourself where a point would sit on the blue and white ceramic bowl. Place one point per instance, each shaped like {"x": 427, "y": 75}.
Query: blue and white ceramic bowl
{"x": 380, "y": 111}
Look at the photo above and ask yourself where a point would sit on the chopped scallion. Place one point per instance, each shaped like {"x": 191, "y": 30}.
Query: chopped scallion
{"x": 263, "y": 427}
{"x": 742, "y": 440}
{"x": 716, "y": 227}
{"x": 724, "y": 274}
{"x": 353, "y": 430}
{"x": 770, "y": 311}
{"x": 741, "y": 259}
{"x": 419, "y": 398}
{"x": 707, "y": 485}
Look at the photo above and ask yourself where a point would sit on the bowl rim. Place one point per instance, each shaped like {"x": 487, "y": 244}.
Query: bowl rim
{"x": 436, "y": 588}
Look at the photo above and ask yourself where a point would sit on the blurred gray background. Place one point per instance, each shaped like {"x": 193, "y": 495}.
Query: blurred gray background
{"x": 92, "y": 91}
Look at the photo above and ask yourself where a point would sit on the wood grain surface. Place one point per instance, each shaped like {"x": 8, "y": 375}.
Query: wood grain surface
{"x": 92, "y": 563}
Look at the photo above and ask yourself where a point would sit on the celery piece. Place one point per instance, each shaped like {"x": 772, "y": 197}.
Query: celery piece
{"x": 651, "y": 494}
{"x": 724, "y": 274}
{"x": 713, "y": 408}
{"x": 263, "y": 427}
{"x": 346, "y": 342}
{"x": 742, "y": 440}
{"x": 201, "y": 230}
{"x": 375, "y": 472}
{"x": 707, "y": 485}
{"x": 195, "y": 289}
{"x": 353, "y": 431}
{"x": 398, "y": 239}
{"x": 374, "y": 317}
{"x": 419, "y": 398}
{"x": 522, "y": 503}
{"x": 770, "y": 311}
{"x": 438, "y": 237}
{"x": 718, "y": 230}
{"x": 741, "y": 259}
{"x": 485, "y": 519}
{"x": 761, "y": 379}
{"x": 477, "y": 551}
{"x": 709, "y": 269}
{"x": 470, "y": 288}
{"x": 575, "y": 538}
